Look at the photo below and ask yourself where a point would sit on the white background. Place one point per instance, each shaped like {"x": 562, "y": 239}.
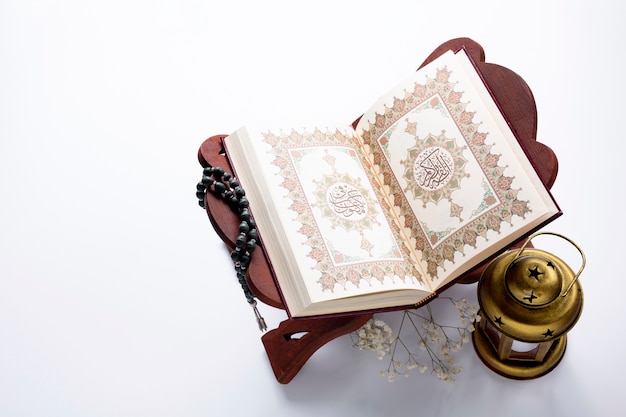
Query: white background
{"x": 116, "y": 297}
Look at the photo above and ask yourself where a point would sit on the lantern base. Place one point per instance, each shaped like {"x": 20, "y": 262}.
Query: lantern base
{"x": 517, "y": 369}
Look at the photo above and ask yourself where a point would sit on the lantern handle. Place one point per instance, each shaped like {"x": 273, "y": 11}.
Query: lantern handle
{"x": 582, "y": 254}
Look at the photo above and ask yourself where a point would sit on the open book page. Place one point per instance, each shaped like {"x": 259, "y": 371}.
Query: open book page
{"x": 455, "y": 170}
{"x": 325, "y": 226}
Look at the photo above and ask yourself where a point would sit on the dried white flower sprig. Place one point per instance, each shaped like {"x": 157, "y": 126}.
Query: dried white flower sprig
{"x": 433, "y": 346}
{"x": 375, "y": 335}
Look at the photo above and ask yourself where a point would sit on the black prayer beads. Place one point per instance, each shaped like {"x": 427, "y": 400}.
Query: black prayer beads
{"x": 224, "y": 185}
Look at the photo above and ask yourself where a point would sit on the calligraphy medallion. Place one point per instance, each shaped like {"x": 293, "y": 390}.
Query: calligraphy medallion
{"x": 346, "y": 201}
{"x": 434, "y": 168}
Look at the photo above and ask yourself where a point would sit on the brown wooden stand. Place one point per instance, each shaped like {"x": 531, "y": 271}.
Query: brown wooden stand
{"x": 290, "y": 345}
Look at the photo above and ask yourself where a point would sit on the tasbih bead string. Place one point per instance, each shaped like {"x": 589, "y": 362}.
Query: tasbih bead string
{"x": 224, "y": 185}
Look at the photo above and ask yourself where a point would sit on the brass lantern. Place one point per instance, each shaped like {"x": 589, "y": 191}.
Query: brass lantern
{"x": 529, "y": 299}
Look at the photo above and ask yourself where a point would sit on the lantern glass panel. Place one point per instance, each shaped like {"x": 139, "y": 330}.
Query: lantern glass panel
{"x": 493, "y": 334}
{"x": 524, "y": 351}
{"x": 519, "y": 346}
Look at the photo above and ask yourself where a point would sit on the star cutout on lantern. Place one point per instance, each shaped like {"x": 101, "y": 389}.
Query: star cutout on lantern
{"x": 548, "y": 333}
{"x": 534, "y": 273}
{"x": 498, "y": 320}
{"x": 530, "y": 297}
{"x": 551, "y": 265}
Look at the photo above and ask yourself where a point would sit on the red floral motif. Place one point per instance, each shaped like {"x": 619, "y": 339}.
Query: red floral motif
{"x": 399, "y": 272}
{"x": 316, "y": 254}
{"x": 489, "y": 200}
{"x": 469, "y": 237}
{"x": 491, "y": 160}
{"x": 479, "y": 138}
{"x": 448, "y": 253}
{"x": 493, "y": 223}
{"x": 271, "y": 138}
{"x": 398, "y": 104}
{"x": 298, "y": 206}
{"x": 397, "y": 196}
{"x": 442, "y": 75}
{"x": 408, "y": 222}
{"x": 434, "y": 101}
{"x": 388, "y": 270}
{"x": 454, "y": 97}
{"x": 431, "y": 268}
{"x": 324, "y": 267}
{"x": 417, "y": 274}
{"x": 419, "y": 90}
{"x": 340, "y": 279}
{"x": 366, "y": 275}
{"x": 387, "y": 176}
{"x": 327, "y": 283}
{"x": 466, "y": 117}
{"x": 411, "y": 127}
{"x": 296, "y": 137}
{"x": 504, "y": 183}
{"x": 289, "y": 184}
{"x": 510, "y": 194}
{"x": 380, "y": 121}
{"x": 519, "y": 208}
{"x": 340, "y": 135}
{"x": 307, "y": 230}
{"x": 353, "y": 277}
{"x": 281, "y": 162}
{"x": 318, "y": 135}
{"x": 378, "y": 273}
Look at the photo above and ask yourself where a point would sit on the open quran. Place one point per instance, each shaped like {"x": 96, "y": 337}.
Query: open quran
{"x": 430, "y": 182}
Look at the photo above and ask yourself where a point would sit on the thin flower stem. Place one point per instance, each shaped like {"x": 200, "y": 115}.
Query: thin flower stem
{"x": 432, "y": 337}
{"x": 433, "y": 355}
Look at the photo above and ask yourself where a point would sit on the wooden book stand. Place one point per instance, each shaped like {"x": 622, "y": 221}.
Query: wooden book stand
{"x": 290, "y": 345}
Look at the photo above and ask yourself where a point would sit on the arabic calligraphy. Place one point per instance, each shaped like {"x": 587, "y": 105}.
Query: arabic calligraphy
{"x": 433, "y": 168}
{"x": 346, "y": 201}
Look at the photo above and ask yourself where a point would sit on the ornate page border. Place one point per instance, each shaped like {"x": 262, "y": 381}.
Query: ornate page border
{"x": 333, "y": 276}
{"x": 510, "y": 206}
